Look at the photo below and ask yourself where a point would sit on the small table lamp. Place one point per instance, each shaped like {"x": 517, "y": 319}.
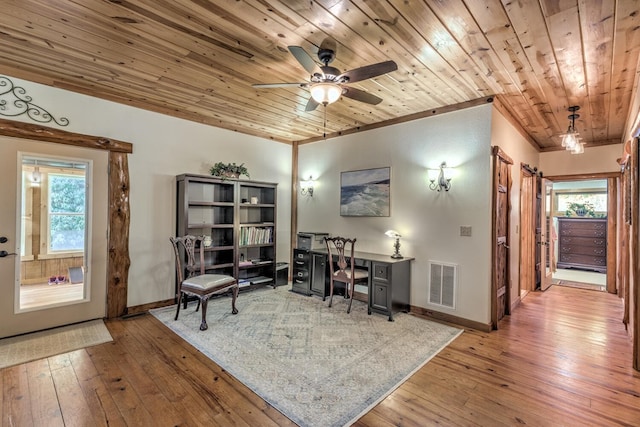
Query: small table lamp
{"x": 394, "y": 234}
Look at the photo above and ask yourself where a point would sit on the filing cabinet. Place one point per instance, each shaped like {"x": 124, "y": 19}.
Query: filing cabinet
{"x": 301, "y": 269}
{"x": 389, "y": 286}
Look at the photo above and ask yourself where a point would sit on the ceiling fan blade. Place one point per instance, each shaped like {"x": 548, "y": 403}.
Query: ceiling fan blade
{"x": 304, "y": 59}
{"x": 311, "y": 105}
{"x": 360, "y": 95}
{"x": 368, "y": 71}
{"x": 270, "y": 85}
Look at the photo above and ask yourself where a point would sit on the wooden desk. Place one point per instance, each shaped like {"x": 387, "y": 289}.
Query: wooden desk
{"x": 389, "y": 285}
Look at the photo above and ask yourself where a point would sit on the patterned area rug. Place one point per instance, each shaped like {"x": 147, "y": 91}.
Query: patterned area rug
{"x": 38, "y": 345}
{"x": 319, "y": 366}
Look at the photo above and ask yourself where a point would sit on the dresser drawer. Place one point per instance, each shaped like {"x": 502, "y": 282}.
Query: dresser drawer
{"x": 583, "y": 232}
{"x": 600, "y": 251}
{"x": 582, "y": 260}
{"x": 584, "y": 241}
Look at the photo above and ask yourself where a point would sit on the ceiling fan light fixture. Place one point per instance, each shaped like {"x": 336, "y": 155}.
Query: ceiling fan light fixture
{"x": 325, "y": 93}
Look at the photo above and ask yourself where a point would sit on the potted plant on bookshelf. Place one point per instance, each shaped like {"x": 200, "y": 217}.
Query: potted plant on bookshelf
{"x": 229, "y": 170}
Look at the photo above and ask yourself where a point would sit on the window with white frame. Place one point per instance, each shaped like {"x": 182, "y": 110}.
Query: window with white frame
{"x": 66, "y": 212}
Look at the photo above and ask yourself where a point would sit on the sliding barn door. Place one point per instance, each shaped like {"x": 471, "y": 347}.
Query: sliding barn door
{"x": 547, "y": 235}
{"x": 500, "y": 293}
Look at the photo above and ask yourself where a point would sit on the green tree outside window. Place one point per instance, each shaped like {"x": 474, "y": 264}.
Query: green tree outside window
{"x": 66, "y": 212}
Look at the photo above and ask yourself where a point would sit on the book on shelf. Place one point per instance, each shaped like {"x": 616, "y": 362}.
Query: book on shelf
{"x": 256, "y": 235}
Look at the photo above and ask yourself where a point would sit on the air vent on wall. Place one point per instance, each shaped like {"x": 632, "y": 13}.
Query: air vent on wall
{"x": 442, "y": 283}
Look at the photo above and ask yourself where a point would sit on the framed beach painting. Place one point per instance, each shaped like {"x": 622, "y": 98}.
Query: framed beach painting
{"x": 365, "y": 192}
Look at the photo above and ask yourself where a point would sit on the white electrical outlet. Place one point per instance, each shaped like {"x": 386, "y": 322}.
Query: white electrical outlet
{"x": 465, "y": 230}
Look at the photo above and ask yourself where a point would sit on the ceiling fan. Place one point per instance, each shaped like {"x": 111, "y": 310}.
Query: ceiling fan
{"x": 327, "y": 83}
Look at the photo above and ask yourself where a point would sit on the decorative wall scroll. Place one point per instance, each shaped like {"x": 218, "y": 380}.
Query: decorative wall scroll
{"x": 14, "y": 102}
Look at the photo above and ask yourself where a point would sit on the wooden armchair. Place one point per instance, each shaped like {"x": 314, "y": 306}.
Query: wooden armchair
{"x": 344, "y": 269}
{"x": 202, "y": 285}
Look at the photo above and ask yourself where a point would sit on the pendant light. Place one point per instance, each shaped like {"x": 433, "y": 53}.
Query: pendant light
{"x": 571, "y": 139}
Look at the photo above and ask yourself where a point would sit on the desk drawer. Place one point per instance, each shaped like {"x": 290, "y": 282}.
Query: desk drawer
{"x": 380, "y": 272}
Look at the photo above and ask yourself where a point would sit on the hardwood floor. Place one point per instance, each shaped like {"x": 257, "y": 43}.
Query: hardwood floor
{"x": 562, "y": 358}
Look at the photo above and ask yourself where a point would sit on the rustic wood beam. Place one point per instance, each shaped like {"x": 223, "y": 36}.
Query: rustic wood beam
{"x": 42, "y": 133}
{"x": 119, "y": 218}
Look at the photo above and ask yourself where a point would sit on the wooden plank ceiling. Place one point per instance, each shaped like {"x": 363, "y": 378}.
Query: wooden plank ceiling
{"x": 198, "y": 59}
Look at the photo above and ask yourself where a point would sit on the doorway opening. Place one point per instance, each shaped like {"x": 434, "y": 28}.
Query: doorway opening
{"x": 53, "y": 233}
{"x": 578, "y": 234}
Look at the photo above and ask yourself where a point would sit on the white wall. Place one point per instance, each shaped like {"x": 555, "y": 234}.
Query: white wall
{"x": 164, "y": 147}
{"x": 428, "y": 221}
{"x": 593, "y": 160}
{"x": 505, "y": 136}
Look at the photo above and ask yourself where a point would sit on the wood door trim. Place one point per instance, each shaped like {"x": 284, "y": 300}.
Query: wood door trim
{"x": 612, "y": 235}
{"x": 526, "y": 233}
{"x": 496, "y": 187}
{"x": 497, "y": 151}
{"x": 118, "y": 199}
{"x": 579, "y": 177}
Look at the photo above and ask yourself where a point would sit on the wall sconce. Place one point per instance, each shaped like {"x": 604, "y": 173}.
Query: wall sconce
{"x": 440, "y": 179}
{"x": 306, "y": 187}
{"x": 395, "y": 235}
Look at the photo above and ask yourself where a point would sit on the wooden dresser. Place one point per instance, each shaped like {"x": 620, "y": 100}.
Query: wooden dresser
{"x": 582, "y": 243}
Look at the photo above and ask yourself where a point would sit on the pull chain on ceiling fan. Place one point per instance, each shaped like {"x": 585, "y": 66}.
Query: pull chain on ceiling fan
{"x": 327, "y": 83}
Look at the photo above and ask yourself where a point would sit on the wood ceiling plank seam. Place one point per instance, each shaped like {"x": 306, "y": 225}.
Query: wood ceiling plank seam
{"x": 145, "y": 74}
{"x": 466, "y": 33}
{"x": 364, "y": 47}
{"x": 564, "y": 31}
{"x": 332, "y": 64}
{"x": 97, "y": 72}
{"x": 110, "y": 30}
{"x": 405, "y": 32}
{"x": 165, "y": 21}
{"x": 154, "y": 40}
{"x": 625, "y": 62}
{"x": 218, "y": 67}
{"x": 453, "y": 89}
{"x": 118, "y": 90}
{"x": 495, "y": 24}
{"x": 145, "y": 50}
{"x": 228, "y": 30}
{"x": 402, "y": 30}
{"x": 531, "y": 30}
{"x": 597, "y": 21}
{"x": 71, "y": 43}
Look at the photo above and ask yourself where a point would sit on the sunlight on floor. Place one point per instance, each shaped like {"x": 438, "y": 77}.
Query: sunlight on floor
{"x": 580, "y": 276}
{"x": 32, "y": 296}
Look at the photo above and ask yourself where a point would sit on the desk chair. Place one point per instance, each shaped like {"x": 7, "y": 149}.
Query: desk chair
{"x": 344, "y": 270}
{"x": 201, "y": 286}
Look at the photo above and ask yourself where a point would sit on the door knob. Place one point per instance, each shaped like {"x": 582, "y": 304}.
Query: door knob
{"x": 3, "y": 239}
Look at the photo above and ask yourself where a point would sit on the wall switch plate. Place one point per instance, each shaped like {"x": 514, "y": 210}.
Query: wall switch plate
{"x": 465, "y": 230}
